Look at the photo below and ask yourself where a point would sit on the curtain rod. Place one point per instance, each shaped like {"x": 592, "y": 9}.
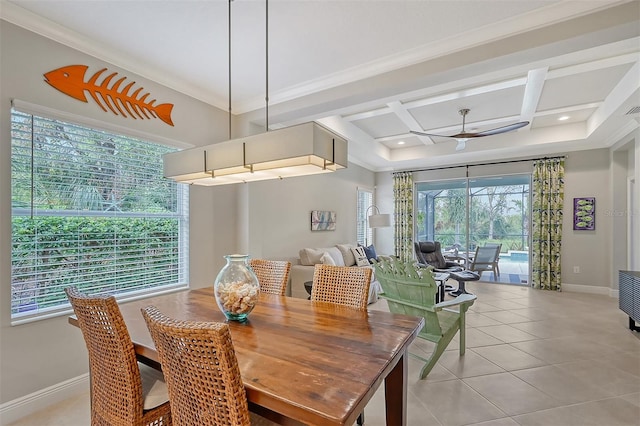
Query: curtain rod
{"x": 482, "y": 164}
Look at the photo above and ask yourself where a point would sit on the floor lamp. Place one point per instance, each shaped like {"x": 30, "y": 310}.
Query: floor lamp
{"x": 377, "y": 220}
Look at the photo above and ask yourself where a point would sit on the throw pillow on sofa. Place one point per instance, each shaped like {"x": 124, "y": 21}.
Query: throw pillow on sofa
{"x": 360, "y": 256}
{"x": 370, "y": 251}
{"x": 326, "y": 259}
{"x": 312, "y": 256}
{"x": 347, "y": 254}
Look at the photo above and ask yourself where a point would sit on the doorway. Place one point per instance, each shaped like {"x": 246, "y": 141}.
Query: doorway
{"x": 464, "y": 214}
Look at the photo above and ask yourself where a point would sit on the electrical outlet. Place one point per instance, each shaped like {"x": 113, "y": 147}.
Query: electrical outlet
{"x": 576, "y": 269}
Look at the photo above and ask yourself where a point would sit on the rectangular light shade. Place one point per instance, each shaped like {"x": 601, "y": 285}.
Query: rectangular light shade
{"x": 299, "y": 150}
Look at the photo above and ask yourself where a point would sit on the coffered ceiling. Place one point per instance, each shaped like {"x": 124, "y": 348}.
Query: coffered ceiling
{"x": 376, "y": 70}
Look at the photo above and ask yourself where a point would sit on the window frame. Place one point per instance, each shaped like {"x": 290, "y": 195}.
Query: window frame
{"x": 181, "y": 199}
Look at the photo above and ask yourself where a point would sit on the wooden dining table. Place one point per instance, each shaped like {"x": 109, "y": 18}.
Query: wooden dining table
{"x": 301, "y": 362}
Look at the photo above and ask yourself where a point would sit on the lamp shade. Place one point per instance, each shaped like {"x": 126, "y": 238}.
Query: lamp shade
{"x": 299, "y": 150}
{"x": 379, "y": 220}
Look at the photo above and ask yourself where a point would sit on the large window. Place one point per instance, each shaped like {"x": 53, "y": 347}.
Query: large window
{"x": 364, "y": 233}
{"x": 90, "y": 209}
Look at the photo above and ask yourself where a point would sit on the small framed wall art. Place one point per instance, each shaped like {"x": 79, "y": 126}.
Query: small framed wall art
{"x": 322, "y": 220}
{"x": 584, "y": 214}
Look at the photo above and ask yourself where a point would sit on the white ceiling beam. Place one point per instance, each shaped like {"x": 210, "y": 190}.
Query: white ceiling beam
{"x": 366, "y": 114}
{"x": 409, "y": 120}
{"x": 627, "y": 87}
{"x": 393, "y": 138}
{"x": 566, "y": 110}
{"x": 592, "y": 66}
{"x": 466, "y": 92}
{"x": 361, "y": 145}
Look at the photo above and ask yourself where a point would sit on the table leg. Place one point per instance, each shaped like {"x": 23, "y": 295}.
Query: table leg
{"x": 461, "y": 289}
{"x": 395, "y": 393}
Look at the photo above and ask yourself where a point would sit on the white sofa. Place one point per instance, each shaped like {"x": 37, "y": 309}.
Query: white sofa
{"x": 340, "y": 255}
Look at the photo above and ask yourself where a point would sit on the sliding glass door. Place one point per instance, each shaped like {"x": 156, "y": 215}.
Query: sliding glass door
{"x": 464, "y": 214}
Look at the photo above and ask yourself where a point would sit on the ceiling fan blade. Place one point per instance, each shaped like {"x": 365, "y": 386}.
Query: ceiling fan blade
{"x": 502, "y": 129}
{"x": 462, "y": 144}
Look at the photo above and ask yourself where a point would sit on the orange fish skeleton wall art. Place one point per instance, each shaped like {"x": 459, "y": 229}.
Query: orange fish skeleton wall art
{"x": 70, "y": 81}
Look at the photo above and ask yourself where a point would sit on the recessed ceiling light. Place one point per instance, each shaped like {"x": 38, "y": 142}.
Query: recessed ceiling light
{"x": 400, "y": 142}
{"x": 564, "y": 117}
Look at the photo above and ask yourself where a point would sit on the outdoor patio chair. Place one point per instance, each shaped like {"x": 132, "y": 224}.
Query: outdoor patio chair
{"x": 429, "y": 253}
{"x": 410, "y": 290}
{"x": 486, "y": 259}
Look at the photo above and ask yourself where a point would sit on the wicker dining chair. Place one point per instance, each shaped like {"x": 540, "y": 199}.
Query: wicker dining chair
{"x": 344, "y": 285}
{"x": 273, "y": 275}
{"x": 123, "y": 392}
{"x": 201, "y": 369}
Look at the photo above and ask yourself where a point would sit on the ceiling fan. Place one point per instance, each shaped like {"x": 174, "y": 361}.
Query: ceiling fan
{"x": 463, "y": 136}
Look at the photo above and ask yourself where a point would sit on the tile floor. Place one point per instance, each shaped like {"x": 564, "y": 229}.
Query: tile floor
{"x": 533, "y": 358}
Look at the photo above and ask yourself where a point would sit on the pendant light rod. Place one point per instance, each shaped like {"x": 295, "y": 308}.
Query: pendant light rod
{"x": 300, "y": 150}
{"x": 229, "y": 28}
{"x": 266, "y": 61}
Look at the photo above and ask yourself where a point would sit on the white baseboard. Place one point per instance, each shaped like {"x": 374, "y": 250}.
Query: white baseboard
{"x": 579, "y": 288}
{"x": 23, "y": 406}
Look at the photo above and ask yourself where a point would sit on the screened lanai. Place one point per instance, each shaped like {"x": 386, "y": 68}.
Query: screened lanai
{"x": 466, "y": 213}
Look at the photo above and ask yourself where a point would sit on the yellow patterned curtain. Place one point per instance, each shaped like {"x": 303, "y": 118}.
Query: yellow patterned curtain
{"x": 403, "y": 210}
{"x": 546, "y": 223}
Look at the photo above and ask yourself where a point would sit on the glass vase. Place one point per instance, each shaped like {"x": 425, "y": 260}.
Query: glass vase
{"x": 236, "y": 288}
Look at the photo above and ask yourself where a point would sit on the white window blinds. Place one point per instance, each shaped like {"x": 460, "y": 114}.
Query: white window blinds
{"x": 364, "y": 233}
{"x": 90, "y": 209}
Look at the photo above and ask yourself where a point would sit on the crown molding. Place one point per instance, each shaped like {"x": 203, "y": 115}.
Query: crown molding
{"x": 58, "y": 33}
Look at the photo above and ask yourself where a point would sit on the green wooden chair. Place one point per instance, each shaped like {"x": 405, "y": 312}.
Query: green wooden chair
{"x": 411, "y": 290}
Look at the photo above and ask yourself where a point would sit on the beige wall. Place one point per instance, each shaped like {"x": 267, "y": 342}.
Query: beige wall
{"x": 280, "y": 211}
{"x": 587, "y": 174}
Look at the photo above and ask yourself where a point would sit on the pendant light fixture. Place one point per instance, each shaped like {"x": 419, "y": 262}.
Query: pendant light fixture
{"x": 303, "y": 149}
